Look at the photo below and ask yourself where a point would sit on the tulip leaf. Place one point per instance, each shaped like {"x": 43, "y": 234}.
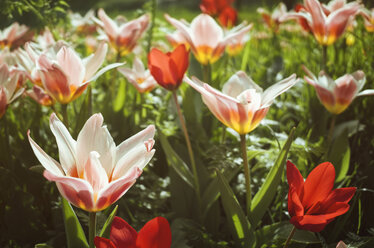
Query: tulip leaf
{"x": 279, "y": 231}
{"x": 262, "y": 200}
{"x": 105, "y": 231}
{"x": 74, "y": 232}
{"x": 239, "y": 225}
{"x": 175, "y": 161}
{"x": 120, "y": 98}
{"x": 42, "y": 246}
{"x": 340, "y": 154}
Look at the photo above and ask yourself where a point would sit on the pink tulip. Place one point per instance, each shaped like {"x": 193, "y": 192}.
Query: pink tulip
{"x": 242, "y": 104}
{"x": 139, "y": 76}
{"x": 176, "y": 38}
{"x": 205, "y": 37}
{"x": 368, "y": 19}
{"x": 14, "y": 36}
{"x": 123, "y": 35}
{"x": 336, "y": 95}
{"x": 93, "y": 173}
{"x": 328, "y": 22}
{"x": 8, "y": 88}
{"x": 65, "y": 76}
{"x": 237, "y": 43}
{"x": 83, "y": 24}
{"x": 341, "y": 244}
{"x": 40, "y": 96}
{"x": 273, "y": 19}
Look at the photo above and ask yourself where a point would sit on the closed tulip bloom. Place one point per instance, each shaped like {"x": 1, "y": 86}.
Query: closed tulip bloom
{"x": 313, "y": 203}
{"x": 368, "y": 19}
{"x": 8, "y": 88}
{"x": 336, "y": 95}
{"x": 168, "y": 69}
{"x": 155, "y": 233}
{"x": 139, "y": 76}
{"x": 242, "y": 104}
{"x": 123, "y": 35}
{"x": 66, "y": 76}
{"x": 93, "y": 172}
{"x": 205, "y": 37}
{"x": 327, "y": 23}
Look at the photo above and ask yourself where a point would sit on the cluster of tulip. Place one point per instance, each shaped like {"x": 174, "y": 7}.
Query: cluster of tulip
{"x": 93, "y": 173}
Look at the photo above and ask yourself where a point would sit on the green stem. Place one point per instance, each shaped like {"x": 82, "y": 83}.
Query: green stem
{"x": 65, "y": 116}
{"x": 189, "y": 147}
{"x": 207, "y": 77}
{"x": 150, "y": 35}
{"x": 92, "y": 229}
{"x": 223, "y": 137}
{"x": 324, "y": 58}
{"x": 331, "y": 132}
{"x": 290, "y": 237}
{"x": 247, "y": 173}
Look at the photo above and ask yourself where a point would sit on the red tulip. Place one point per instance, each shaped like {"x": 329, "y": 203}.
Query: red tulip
{"x": 214, "y": 7}
{"x": 156, "y": 233}
{"x": 168, "y": 68}
{"x": 228, "y": 17}
{"x": 312, "y": 203}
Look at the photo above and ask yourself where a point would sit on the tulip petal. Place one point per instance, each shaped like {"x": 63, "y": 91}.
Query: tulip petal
{"x": 318, "y": 18}
{"x": 95, "y": 61}
{"x": 71, "y": 65}
{"x": 95, "y": 137}
{"x": 318, "y": 184}
{"x": 77, "y": 191}
{"x": 110, "y": 26}
{"x": 116, "y": 189}
{"x": 366, "y": 92}
{"x": 3, "y": 102}
{"x": 103, "y": 243}
{"x": 66, "y": 145}
{"x": 180, "y": 57}
{"x": 94, "y": 172}
{"x": 294, "y": 177}
{"x": 238, "y": 83}
{"x": 295, "y": 207}
{"x": 313, "y": 223}
{"x": 340, "y": 195}
{"x": 184, "y": 30}
{"x": 345, "y": 89}
{"x": 48, "y": 163}
{"x": 205, "y": 31}
{"x": 122, "y": 234}
{"x": 156, "y": 233}
{"x": 130, "y": 143}
{"x": 275, "y": 90}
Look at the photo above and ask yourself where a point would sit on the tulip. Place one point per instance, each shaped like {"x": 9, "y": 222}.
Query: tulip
{"x": 242, "y": 104}
{"x": 176, "y": 38}
{"x": 341, "y": 244}
{"x": 327, "y": 23}
{"x": 14, "y": 36}
{"x": 123, "y": 35}
{"x": 273, "y": 20}
{"x": 83, "y": 24}
{"x": 168, "y": 69}
{"x": 214, "y": 7}
{"x": 156, "y": 233}
{"x": 313, "y": 203}
{"x": 368, "y": 19}
{"x": 228, "y": 17}
{"x": 205, "y": 37}
{"x": 139, "y": 77}
{"x": 336, "y": 95}
{"x": 93, "y": 172}
{"x": 8, "y": 88}
{"x": 66, "y": 76}
{"x": 236, "y": 45}
{"x": 40, "y": 96}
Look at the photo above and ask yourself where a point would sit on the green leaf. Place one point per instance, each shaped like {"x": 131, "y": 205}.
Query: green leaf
{"x": 280, "y": 231}
{"x": 42, "y": 246}
{"x": 238, "y": 223}
{"x": 175, "y": 161}
{"x": 262, "y": 200}
{"x": 339, "y": 155}
{"x": 120, "y": 98}
{"x": 105, "y": 231}
{"x": 74, "y": 232}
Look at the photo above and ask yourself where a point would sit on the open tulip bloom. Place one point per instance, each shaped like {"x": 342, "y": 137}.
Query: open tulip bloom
{"x": 205, "y": 37}
{"x": 313, "y": 203}
{"x": 273, "y": 19}
{"x": 156, "y": 233}
{"x": 139, "y": 76}
{"x": 14, "y": 36}
{"x": 65, "y": 76}
{"x": 123, "y": 35}
{"x": 242, "y": 104}
{"x": 93, "y": 172}
{"x": 327, "y": 23}
{"x": 368, "y": 19}
{"x": 336, "y": 95}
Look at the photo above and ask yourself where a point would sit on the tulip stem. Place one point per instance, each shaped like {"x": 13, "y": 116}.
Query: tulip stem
{"x": 64, "y": 110}
{"x": 324, "y": 58}
{"x": 92, "y": 229}
{"x": 190, "y": 152}
{"x": 290, "y": 237}
{"x": 247, "y": 173}
{"x": 331, "y": 132}
{"x": 207, "y": 77}
{"x": 153, "y": 22}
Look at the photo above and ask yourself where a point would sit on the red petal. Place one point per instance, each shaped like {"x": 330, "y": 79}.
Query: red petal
{"x": 159, "y": 66}
{"x": 342, "y": 195}
{"x": 122, "y": 234}
{"x": 314, "y": 223}
{"x": 155, "y": 234}
{"x": 319, "y": 184}
{"x": 294, "y": 178}
{"x": 103, "y": 243}
{"x": 295, "y": 208}
{"x": 180, "y": 57}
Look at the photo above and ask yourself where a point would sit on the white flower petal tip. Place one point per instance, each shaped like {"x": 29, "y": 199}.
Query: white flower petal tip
{"x": 149, "y": 144}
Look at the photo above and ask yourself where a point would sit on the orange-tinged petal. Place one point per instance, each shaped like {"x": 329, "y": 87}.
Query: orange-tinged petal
{"x": 122, "y": 234}
{"x": 294, "y": 177}
{"x": 103, "y": 243}
{"x": 156, "y": 233}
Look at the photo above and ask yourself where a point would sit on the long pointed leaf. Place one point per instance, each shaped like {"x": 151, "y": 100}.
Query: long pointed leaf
{"x": 265, "y": 195}
{"x": 74, "y": 232}
{"x": 175, "y": 161}
{"x": 105, "y": 231}
{"x": 239, "y": 224}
